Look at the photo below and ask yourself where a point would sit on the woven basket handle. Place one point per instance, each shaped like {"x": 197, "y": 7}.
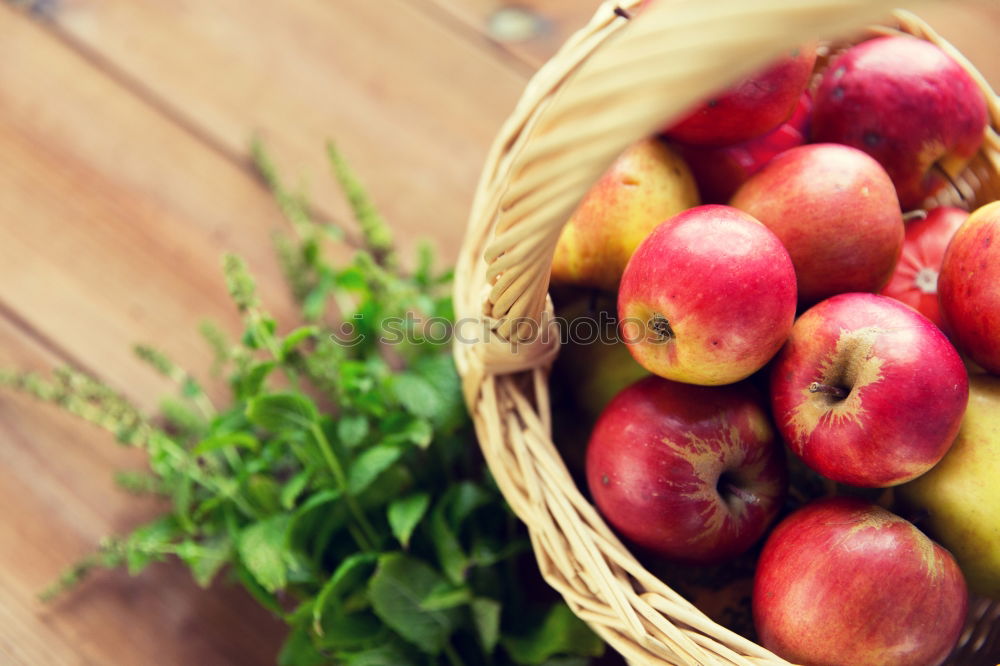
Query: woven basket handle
{"x": 631, "y": 75}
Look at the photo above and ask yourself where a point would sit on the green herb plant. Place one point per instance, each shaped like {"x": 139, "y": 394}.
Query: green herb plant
{"x": 341, "y": 485}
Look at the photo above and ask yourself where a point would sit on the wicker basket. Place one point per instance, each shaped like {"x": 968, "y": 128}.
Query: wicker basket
{"x": 612, "y": 83}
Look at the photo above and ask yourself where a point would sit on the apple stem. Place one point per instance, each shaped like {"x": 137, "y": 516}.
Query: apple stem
{"x": 951, "y": 181}
{"x": 918, "y": 214}
{"x": 826, "y": 389}
{"x": 661, "y": 325}
{"x": 732, "y": 489}
{"x": 621, "y": 12}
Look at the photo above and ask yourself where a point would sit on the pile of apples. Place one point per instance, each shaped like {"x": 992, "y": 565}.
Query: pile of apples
{"x": 790, "y": 304}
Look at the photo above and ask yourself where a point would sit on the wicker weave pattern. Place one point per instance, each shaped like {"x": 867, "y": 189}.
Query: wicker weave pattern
{"x": 612, "y": 83}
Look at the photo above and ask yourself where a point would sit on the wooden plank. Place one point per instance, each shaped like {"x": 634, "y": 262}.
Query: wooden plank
{"x": 412, "y": 105}
{"x": 59, "y": 499}
{"x": 115, "y": 218}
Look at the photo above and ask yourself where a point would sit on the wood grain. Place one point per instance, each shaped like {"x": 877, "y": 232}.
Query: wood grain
{"x": 115, "y": 218}
{"x": 412, "y": 104}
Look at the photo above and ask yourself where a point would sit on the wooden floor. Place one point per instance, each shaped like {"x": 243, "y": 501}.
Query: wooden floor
{"x": 124, "y": 127}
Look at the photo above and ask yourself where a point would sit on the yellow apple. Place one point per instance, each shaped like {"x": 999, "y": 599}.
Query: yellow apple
{"x": 647, "y": 184}
{"x": 961, "y": 494}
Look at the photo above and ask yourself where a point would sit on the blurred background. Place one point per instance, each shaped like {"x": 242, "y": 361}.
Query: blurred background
{"x": 125, "y": 128}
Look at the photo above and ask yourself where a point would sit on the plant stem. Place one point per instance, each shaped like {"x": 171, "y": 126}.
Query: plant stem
{"x": 370, "y": 537}
{"x": 204, "y": 405}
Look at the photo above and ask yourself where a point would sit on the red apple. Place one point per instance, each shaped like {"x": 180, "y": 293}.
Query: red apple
{"x": 719, "y": 171}
{"x": 845, "y": 582}
{"x": 708, "y": 298}
{"x": 867, "y": 391}
{"x": 835, "y": 210}
{"x": 691, "y": 473}
{"x": 908, "y": 104}
{"x": 969, "y": 287}
{"x": 915, "y": 281}
{"x": 752, "y": 107}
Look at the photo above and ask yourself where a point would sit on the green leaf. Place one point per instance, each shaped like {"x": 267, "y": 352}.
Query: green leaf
{"x": 252, "y": 380}
{"x": 150, "y": 542}
{"x": 262, "y": 549}
{"x": 314, "y": 303}
{"x": 352, "y": 429}
{"x": 439, "y": 370}
{"x": 567, "y": 661}
{"x": 293, "y": 339}
{"x": 263, "y": 597}
{"x": 306, "y": 527}
{"x": 282, "y": 411}
{"x": 351, "y": 278}
{"x": 342, "y": 630}
{"x": 264, "y": 492}
{"x": 348, "y": 575}
{"x": 190, "y": 388}
{"x": 486, "y": 617}
{"x": 396, "y": 590}
{"x": 319, "y": 499}
{"x": 221, "y": 441}
{"x": 293, "y": 488}
{"x": 389, "y": 654}
{"x": 393, "y": 483}
{"x": 299, "y": 650}
{"x": 425, "y": 263}
{"x": 450, "y": 554}
{"x": 418, "y": 396}
{"x": 446, "y": 519}
{"x": 181, "y": 417}
{"x": 488, "y": 551}
{"x": 257, "y": 332}
{"x": 367, "y": 466}
{"x": 446, "y": 595}
{"x": 463, "y": 498}
{"x": 205, "y": 558}
{"x": 405, "y": 513}
{"x": 182, "y": 496}
{"x": 411, "y": 430}
{"x": 560, "y": 632}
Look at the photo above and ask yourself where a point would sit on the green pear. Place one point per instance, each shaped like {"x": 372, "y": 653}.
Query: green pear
{"x": 593, "y": 364}
{"x": 597, "y": 372}
{"x": 961, "y": 494}
{"x": 592, "y": 367}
